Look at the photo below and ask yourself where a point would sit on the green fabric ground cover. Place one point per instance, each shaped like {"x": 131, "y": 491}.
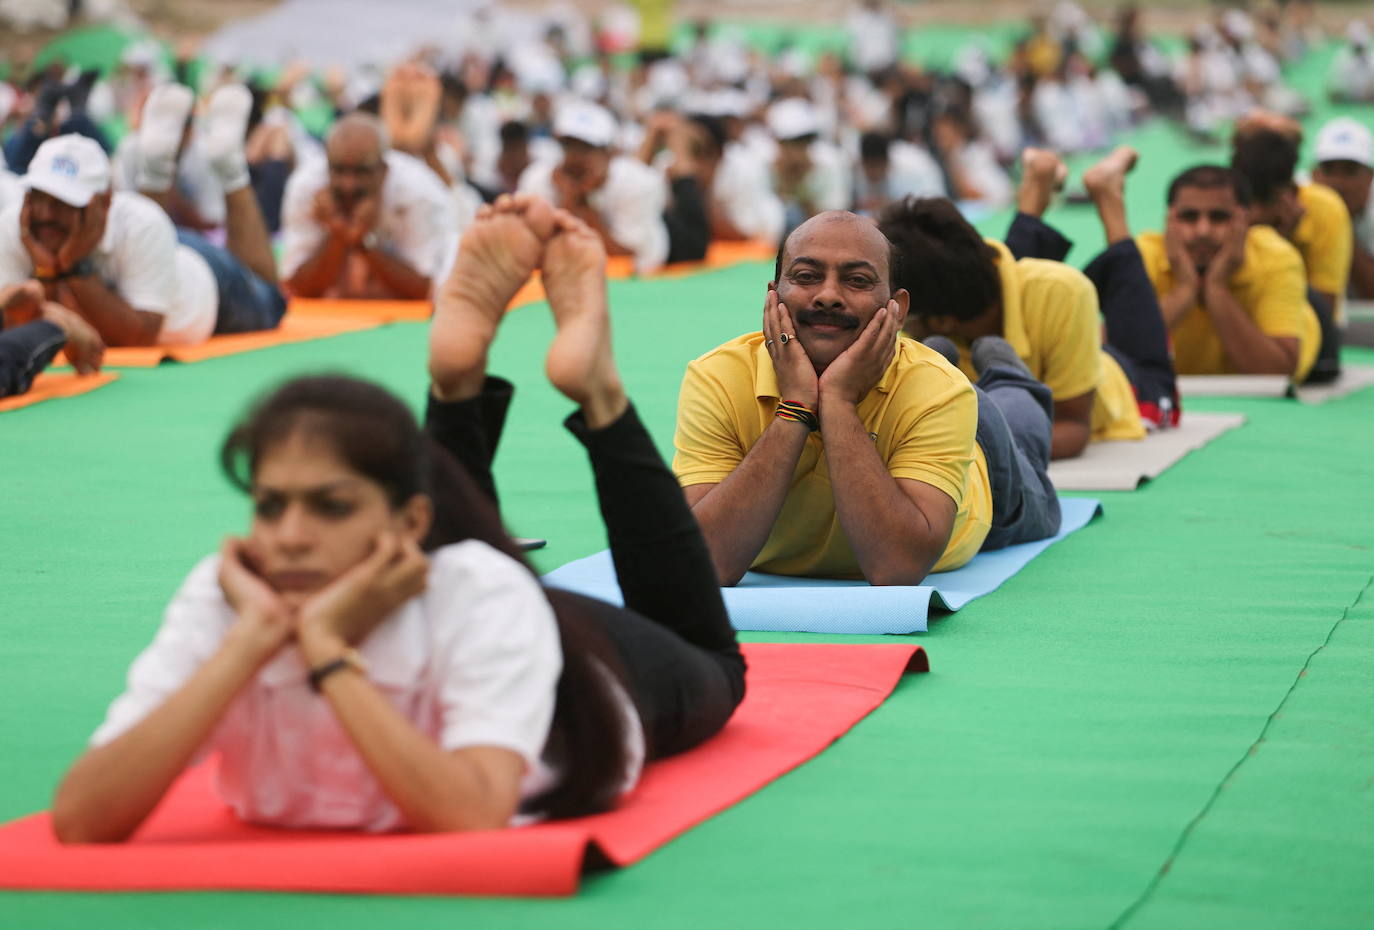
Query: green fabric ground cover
{"x": 1075, "y": 723}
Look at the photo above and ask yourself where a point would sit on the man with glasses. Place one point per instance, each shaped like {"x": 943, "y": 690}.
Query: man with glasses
{"x": 367, "y": 222}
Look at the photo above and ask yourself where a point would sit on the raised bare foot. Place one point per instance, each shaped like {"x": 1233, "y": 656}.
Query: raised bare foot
{"x": 580, "y": 363}
{"x": 499, "y": 251}
{"x": 1105, "y": 183}
{"x": 1042, "y": 173}
{"x": 1108, "y": 176}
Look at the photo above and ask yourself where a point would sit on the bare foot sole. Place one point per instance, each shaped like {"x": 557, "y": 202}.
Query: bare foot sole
{"x": 1042, "y": 173}
{"x": 1108, "y": 176}
{"x": 580, "y": 363}
{"x": 497, "y": 255}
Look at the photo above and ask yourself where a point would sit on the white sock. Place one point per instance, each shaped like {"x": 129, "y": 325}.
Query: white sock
{"x": 226, "y": 123}
{"x": 159, "y": 135}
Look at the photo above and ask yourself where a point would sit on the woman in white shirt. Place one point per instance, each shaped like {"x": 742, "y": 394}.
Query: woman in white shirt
{"x": 375, "y": 655}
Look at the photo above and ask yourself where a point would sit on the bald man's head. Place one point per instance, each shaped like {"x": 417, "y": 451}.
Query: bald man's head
{"x": 833, "y": 273}
{"x": 842, "y": 222}
{"x": 356, "y": 148}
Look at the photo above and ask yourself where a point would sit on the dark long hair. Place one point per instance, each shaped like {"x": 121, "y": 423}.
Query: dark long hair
{"x": 377, "y": 436}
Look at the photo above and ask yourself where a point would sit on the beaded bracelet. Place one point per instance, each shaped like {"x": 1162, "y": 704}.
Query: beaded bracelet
{"x": 800, "y": 413}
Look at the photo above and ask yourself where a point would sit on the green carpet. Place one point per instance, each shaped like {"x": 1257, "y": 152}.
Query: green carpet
{"x": 1162, "y": 722}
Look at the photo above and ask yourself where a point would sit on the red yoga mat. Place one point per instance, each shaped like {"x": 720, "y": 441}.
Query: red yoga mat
{"x": 800, "y": 699}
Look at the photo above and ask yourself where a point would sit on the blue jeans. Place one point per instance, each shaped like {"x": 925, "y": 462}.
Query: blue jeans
{"x": 247, "y": 303}
{"x": 1015, "y": 416}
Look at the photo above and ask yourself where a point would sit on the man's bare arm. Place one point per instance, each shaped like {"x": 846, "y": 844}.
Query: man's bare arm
{"x": 897, "y": 527}
{"x": 1073, "y": 426}
{"x": 1362, "y": 273}
{"x": 320, "y": 271}
{"x": 1251, "y": 350}
{"x": 400, "y": 279}
{"x": 737, "y": 514}
{"x": 118, "y": 323}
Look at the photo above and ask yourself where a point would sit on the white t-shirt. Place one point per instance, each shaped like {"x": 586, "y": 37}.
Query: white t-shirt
{"x": 11, "y": 191}
{"x": 139, "y": 259}
{"x": 743, "y": 192}
{"x": 474, "y": 661}
{"x": 417, "y": 221}
{"x": 630, "y": 203}
{"x": 196, "y": 181}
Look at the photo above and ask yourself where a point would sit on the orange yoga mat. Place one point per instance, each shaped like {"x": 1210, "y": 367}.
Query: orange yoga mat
{"x": 800, "y": 699}
{"x": 293, "y": 328}
{"x": 379, "y": 311}
{"x": 52, "y": 384}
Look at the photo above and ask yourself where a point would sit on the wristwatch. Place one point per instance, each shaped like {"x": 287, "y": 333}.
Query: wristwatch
{"x": 82, "y": 269}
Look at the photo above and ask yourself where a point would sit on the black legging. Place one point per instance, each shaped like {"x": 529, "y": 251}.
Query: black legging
{"x": 673, "y": 635}
{"x": 1136, "y": 335}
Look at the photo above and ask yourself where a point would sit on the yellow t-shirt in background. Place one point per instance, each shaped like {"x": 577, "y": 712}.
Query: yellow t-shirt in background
{"x": 1051, "y": 317}
{"x": 922, "y": 417}
{"x": 1272, "y": 288}
{"x": 1325, "y": 238}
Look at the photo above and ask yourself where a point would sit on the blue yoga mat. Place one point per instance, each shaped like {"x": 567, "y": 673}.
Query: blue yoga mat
{"x": 819, "y": 605}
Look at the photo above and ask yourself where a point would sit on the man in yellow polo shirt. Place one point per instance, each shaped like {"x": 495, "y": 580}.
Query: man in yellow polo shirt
{"x": 1234, "y": 296}
{"x": 826, "y": 445}
{"x": 1047, "y": 310}
{"x": 1311, "y": 216}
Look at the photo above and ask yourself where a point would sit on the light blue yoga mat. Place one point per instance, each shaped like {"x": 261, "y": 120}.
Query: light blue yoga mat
{"x": 819, "y": 605}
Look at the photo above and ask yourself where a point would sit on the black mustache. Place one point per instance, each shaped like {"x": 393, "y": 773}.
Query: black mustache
{"x": 826, "y": 318}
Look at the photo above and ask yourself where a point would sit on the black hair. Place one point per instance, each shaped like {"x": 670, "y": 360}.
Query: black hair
{"x": 377, "y": 436}
{"x": 874, "y": 146}
{"x": 714, "y": 127}
{"x": 1267, "y": 159}
{"x": 946, "y": 266}
{"x": 514, "y": 132}
{"x": 1211, "y": 177}
{"x": 894, "y": 263}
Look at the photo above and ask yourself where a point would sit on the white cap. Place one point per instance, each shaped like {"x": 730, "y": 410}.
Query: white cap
{"x": 72, "y": 168}
{"x": 586, "y": 122}
{"x": 793, "y": 118}
{"x": 1345, "y": 139}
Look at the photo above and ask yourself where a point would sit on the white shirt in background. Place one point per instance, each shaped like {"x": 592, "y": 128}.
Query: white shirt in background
{"x": 630, "y": 203}
{"x": 742, "y": 192}
{"x": 139, "y": 259}
{"x": 417, "y": 221}
{"x": 11, "y": 191}
{"x": 195, "y": 180}
{"x": 474, "y": 661}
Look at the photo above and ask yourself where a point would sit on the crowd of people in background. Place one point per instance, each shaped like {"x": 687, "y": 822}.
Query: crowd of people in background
{"x": 661, "y": 149}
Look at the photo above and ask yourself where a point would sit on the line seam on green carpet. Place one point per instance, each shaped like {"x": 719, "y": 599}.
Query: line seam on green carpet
{"x": 1231, "y": 774}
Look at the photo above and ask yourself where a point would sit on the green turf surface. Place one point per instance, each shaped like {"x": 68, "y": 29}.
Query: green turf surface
{"x": 1164, "y": 721}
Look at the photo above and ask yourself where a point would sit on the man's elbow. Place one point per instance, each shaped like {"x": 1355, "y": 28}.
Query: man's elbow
{"x": 899, "y": 573}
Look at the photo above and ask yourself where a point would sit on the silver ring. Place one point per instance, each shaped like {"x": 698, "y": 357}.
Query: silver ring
{"x": 784, "y": 338}
{"x": 768, "y": 343}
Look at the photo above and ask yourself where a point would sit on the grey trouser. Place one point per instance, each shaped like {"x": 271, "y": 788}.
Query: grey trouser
{"x": 1014, "y": 425}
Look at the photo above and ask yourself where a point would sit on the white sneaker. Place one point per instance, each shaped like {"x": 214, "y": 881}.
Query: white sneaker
{"x": 223, "y": 129}
{"x": 159, "y": 135}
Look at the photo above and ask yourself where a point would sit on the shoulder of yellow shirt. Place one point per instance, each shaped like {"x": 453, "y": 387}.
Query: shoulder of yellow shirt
{"x": 1321, "y": 201}
{"x": 1267, "y": 252}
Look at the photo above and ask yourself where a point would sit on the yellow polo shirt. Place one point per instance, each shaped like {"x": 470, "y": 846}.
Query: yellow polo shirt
{"x": 922, "y": 417}
{"x": 1050, "y": 316}
{"x": 1272, "y": 288}
{"x": 1326, "y": 239}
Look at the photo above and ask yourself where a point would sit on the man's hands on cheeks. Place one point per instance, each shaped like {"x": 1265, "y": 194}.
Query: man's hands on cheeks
{"x": 860, "y": 367}
{"x": 364, "y": 218}
{"x": 1181, "y": 267}
{"x": 1229, "y": 258}
{"x": 797, "y": 381}
{"x": 44, "y": 260}
{"x": 86, "y": 234}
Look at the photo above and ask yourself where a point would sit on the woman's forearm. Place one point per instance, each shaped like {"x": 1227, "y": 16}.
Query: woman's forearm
{"x": 111, "y": 789}
{"x": 475, "y": 788}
